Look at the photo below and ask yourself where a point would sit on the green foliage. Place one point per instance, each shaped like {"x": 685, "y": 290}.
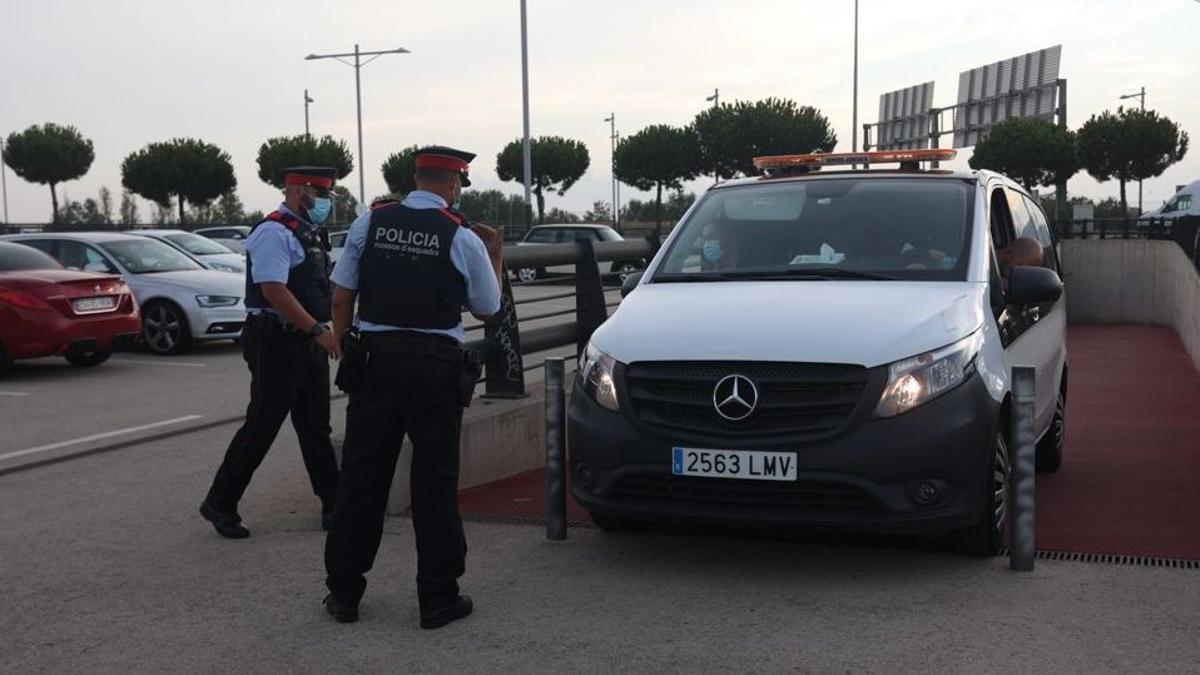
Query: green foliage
{"x": 226, "y": 210}
{"x": 87, "y": 212}
{"x": 344, "y": 206}
{"x": 398, "y": 170}
{"x": 129, "y": 209}
{"x": 185, "y": 168}
{"x": 1130, "y": 145}
{"x": 494, "y": 208}
{"x": 731, "y": 136}
{"x": 672, "y": 210}
{"x": 283, "y": 152}
{"x": 657, "y": 157}
{"x": 601, "y": 212}
{"x": 49, "y": 154}
{"x": 557, "y": 163}
{"x": 1028, "y": 150}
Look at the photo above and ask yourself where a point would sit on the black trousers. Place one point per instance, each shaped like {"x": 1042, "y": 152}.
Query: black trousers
{"x": 289, "y": 373}
{"x": 403, "y": 394}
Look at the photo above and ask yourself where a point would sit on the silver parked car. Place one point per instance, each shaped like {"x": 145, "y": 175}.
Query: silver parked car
{"x": 210, "y": 252}
{"x": 566, "y": 233}
{"x": 232, "y": 237}
{"x": 181, "y": 301}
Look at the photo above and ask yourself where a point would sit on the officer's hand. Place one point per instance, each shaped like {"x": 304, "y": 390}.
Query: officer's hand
{"x": 493, "y": 238}
{"x": 330, "y": 344}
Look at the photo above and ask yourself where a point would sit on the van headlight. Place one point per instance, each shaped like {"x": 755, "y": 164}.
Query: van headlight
{"x": 596, "y": 374}
{"x": 924, "y": 377}
{"x": 217, "y": 300}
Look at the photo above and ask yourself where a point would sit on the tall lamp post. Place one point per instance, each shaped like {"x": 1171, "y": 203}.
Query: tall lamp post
{"x": 3, "y": 181}
{"x": 526, "y": 151}
{"x": 357, "y": 64}
{"x": 715, "y": 99}
{"x": 307, "y": 99}
{"x": 612, "y": 136}
{"x": 1141, "y": 95}
{"x": 854, "y": 113}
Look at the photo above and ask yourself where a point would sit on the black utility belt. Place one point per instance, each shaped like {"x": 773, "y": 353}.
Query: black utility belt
{"x": 276, "y": 322}
{"x": 412, "y": 343}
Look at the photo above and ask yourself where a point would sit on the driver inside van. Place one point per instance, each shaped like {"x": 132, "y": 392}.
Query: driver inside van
{"x": 1023, "y": 251}
{"x": 718, "y": 250}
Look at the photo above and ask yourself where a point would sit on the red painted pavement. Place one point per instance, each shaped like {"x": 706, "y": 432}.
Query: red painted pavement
{"x": 1131, "y": 469}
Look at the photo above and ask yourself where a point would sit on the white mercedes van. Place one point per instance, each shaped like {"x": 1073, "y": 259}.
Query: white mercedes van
{"x": 829, "y": 349}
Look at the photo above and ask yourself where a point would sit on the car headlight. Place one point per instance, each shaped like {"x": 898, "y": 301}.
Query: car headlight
{"x": 217, "y": 300}
{"x": 222, "y": 267}
{"x": 922, "y": 378}
{"x": 596, "y": 374}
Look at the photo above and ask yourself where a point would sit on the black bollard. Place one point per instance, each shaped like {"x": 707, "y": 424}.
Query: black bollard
{"x": 1023, "y": 459}
{"x": 556, "y": 455}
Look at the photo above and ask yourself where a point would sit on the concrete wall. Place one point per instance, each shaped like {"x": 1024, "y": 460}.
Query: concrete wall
{"x": 500, "y": 438}
{"x": 1133, "y": 281}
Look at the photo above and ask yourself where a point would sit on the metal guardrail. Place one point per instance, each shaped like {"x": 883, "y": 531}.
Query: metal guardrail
{"x": 1183, "y": 231}
{"x": 504, "y": 345}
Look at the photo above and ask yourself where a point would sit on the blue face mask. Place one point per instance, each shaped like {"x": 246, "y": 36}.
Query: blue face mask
{"x": 712, "y": 250}
{"x": 319, "y": 211}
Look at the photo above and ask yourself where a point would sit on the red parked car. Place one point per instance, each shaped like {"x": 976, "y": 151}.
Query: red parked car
{"x": 46, "y": 309}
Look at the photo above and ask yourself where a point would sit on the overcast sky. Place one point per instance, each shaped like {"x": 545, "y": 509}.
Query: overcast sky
{"x": 129, "y": 72}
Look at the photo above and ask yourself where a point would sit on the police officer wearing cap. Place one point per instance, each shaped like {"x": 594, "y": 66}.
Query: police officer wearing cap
{"x": 412, "y": 266}
{"x": 287, "y": 345}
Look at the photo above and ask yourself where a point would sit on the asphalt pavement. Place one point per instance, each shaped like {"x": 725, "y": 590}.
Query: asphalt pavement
{"x": 105, "y": 566}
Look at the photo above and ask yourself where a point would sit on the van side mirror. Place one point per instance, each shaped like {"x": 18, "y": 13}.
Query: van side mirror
{"x": 631, "y": 282}
{"x": 1034, "y": 286}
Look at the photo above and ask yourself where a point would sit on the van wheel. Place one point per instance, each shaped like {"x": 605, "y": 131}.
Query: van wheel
{"x": 165, "y": 329}
{"x": 984, "y": 537}
{"x": 1050, "y": 448}
{"x": 5, "y": 363}
{"x": 610, "y": 523}
{"x": 89, "y": 359}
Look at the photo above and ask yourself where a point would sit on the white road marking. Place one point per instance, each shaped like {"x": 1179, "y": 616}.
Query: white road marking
{"x": 96, "y": 437}
{"x": 13, "y": 393}
{"x": 164, "y": 362}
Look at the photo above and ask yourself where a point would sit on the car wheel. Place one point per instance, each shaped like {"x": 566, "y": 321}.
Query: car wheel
{"x": 611, "y": 523}
{"x": 625, "y": 270}
{"x": 5, "y": 363}
{"x": 89, "y": 359}
{"x": 527, "y": 274}
{"x": 1050, "y": 448}
{"x": 985, "y": 536}
{"x": 165, "y": 329}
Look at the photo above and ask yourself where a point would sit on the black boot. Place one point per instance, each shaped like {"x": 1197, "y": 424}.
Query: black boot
{"x": 343, "y": 613}
{"x": 227, "y": 524}
{"x": 326, "y": 514}
{"x": 461, "y": 607}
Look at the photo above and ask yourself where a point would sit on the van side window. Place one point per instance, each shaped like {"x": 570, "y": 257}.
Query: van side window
{"x": 1023, "y": 223}
{"x": 1044, "y": 236}
{"x": 1001, "y": 220}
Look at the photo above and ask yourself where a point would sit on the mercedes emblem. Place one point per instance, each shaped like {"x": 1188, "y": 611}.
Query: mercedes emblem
{"x": 735, "y": 397}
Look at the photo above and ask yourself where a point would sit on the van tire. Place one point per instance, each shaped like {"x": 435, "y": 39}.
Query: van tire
{"x": 1050, "y": 448}
{"x": 983, "y": 539}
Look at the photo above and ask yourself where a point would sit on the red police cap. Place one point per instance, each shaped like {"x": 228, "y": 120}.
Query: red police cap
{"x": 315, "y": 176}
{"x": 442, "y": 157}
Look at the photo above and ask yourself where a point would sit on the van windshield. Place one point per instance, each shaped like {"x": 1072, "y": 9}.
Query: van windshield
{"x": 840, "y": 228}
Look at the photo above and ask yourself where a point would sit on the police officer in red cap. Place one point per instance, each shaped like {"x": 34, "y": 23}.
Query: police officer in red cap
{"x": 412, "y": 266}
{"x": 287, "y": 346}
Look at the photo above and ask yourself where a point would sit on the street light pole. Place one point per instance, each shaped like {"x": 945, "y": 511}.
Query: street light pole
{"x": 617, "y": 206}
{"x": 1141, "y": 95}
{"x": 3, "y": 181}
{"x": 357, "y": 64}
{"x": 854, "y": 114}
{"x": 526, "y": 150}
{"x": 716, "y": 101}
{"x": 612, "y": 137}
{"x": 307, "y": 99}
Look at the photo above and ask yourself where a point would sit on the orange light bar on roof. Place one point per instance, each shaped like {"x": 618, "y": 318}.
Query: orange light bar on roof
{"x": 842, "y": 158}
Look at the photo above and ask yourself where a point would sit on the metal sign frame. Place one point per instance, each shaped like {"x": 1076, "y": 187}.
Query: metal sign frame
{"x": 904, "y": 118}
{"x": 1023, "y": 86}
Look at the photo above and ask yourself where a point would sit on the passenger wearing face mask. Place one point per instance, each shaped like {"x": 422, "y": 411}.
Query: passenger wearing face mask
{"x": 716, "y": 249}
{"x": 287, "y": 346}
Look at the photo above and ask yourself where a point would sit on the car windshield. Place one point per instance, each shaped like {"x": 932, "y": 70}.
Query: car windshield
{"x": 195, "y": 244}
{"x": 843, "y": 228}
{"x": 608, "y": 234}
{"x": 16, "y": 257}
{"x": 147, "y": 256}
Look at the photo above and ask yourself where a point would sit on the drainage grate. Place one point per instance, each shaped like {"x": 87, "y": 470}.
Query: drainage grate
{"x": 1115, "y": 559}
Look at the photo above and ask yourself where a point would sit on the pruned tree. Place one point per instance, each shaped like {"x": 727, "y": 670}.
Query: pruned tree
{"x": 398, "y": 170}
{"x": 657, "y": 157}
{"x": 279, "y": 153}
{"x": 1130, "y": 145}
{"x": 106, "y": 205}
{"x": 557, "y": 164}
{"x": 49, "y": 154}
{"x": 187, "y": 169}
{"x": 1028, "y": 150}
{"x": 129, "y": 209}
{"x": 732, "y": 135}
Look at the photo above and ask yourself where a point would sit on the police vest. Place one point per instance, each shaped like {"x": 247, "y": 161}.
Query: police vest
{"x": 308, "y": 281}
{"x": 406, "y": 278}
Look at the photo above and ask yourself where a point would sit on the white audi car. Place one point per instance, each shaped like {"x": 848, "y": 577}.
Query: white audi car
{"x": 182, "y": 302}
{"x": 211, "y": 253}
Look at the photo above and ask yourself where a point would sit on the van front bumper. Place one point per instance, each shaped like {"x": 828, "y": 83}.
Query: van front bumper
{"x": 923, "y": 471}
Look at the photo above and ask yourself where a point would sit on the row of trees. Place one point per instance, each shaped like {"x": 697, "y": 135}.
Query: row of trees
{"x": 1127, "y": 145}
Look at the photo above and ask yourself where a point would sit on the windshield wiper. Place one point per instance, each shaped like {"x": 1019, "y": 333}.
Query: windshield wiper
{"x": 821, "y": 273}
{"x": 694, "y": 277}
